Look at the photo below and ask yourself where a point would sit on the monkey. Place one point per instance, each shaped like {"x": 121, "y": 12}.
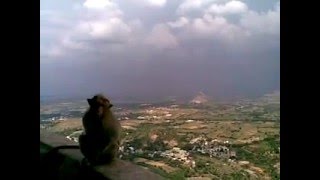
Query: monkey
{"x": 101, "y": 138}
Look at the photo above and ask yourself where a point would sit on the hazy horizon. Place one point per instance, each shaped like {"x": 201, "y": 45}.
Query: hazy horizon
{"x": 153, "y": 49}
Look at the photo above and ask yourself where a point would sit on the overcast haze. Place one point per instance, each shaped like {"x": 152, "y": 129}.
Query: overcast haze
{"x": 159, "y": 48}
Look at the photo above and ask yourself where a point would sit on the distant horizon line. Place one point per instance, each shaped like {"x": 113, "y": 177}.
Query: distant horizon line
{"x": 139, "y": 99}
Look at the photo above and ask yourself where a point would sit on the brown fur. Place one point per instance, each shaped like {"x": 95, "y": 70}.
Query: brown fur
{"x": 101, "y": 139}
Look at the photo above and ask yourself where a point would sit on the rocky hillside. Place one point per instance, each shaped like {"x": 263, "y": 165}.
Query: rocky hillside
{"x": 200, "y": 98}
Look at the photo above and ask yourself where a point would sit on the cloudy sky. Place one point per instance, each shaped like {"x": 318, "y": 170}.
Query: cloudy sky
{"x": 159, "y": 48}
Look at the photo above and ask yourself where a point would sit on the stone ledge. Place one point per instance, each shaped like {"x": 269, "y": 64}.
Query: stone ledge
{"x": 65, "y": 163}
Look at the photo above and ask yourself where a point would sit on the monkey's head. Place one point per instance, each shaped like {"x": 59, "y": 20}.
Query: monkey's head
{"x": 98, "y": 103}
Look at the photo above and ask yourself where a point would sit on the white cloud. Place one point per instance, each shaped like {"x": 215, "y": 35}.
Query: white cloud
{"x": 54, "y": 52}
{"x": 101, "y": 9}
{"x": 105, "y": 23}
{"x": 192, "y": 5}
{"x": 152, "y": 3}
{"x": 215, "y": 27}
{"x": 100, "y": 25}
{"x": 232, "y": 7}
{"x": 112, "y": 29}
{"x": 161, "y": 37}
{"x": 266, "y": 23}
{"x": 98, "y": 4}
{"x": 182, "y": 21}
{"x": 207, "y": 27}
{"x": 157, "y": 2}
{"x": 69, "y": 44}
{"x": 64, "y": 47}
{"x": 189, "y": 5}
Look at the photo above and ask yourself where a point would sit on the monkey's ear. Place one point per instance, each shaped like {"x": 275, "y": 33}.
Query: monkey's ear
{"x": 90, "y": 102}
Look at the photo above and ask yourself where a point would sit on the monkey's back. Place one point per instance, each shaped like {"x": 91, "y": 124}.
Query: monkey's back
{"x": 92, "y": 124}
{"x": 110, "y": 124}
{"x": 102, "y": 128}
{"x": 100, "y": 142}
